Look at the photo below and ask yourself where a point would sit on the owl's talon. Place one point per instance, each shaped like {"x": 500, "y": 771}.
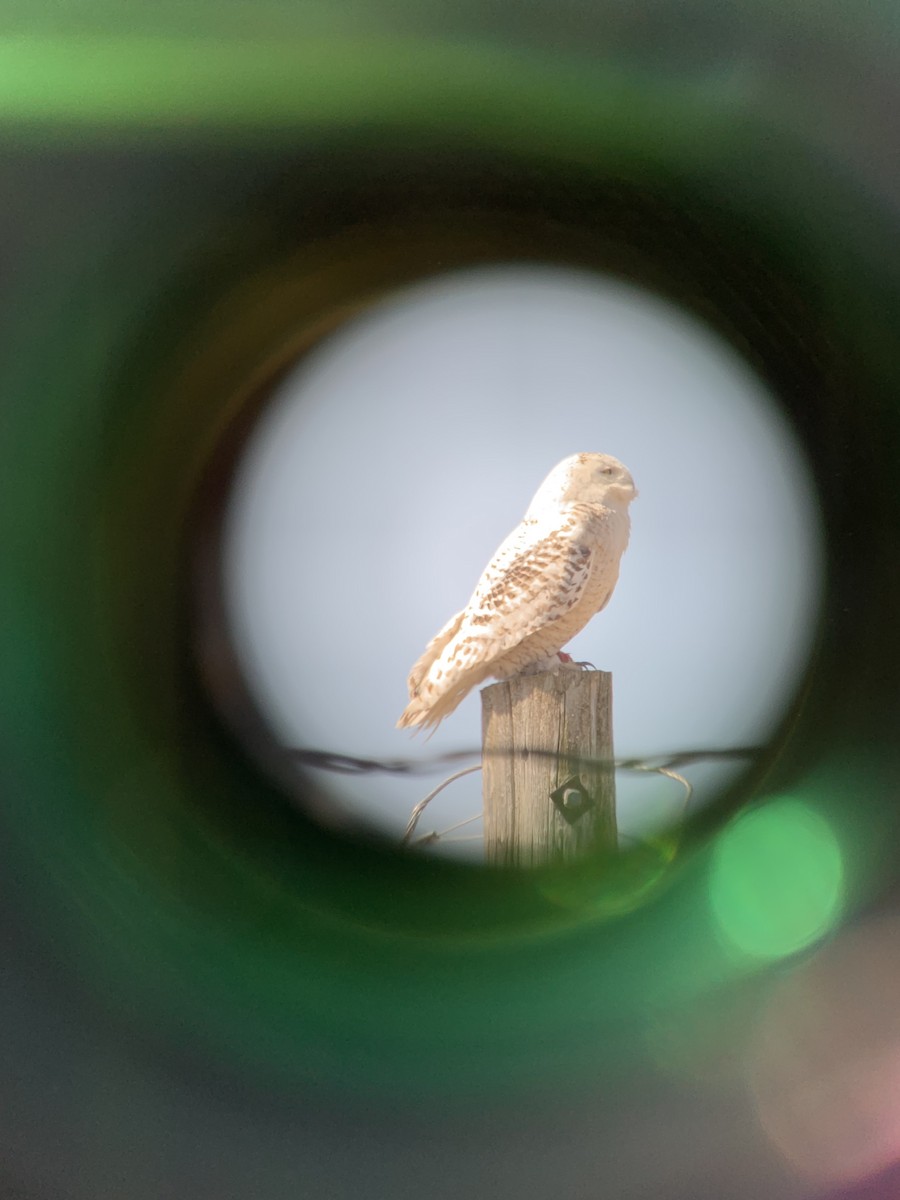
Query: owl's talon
{"x": 568, "y": 661}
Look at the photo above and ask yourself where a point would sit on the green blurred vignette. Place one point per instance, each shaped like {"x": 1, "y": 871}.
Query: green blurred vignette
{"x": 162, "y": 871}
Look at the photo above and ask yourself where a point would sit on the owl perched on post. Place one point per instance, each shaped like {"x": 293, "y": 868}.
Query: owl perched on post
{"x": 555, "y": 570}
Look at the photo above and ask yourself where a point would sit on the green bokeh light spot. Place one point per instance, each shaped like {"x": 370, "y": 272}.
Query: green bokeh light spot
{"x": 776, "y": 883}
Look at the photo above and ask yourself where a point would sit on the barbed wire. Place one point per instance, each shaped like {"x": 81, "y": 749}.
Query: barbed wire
{"x": 663, "y": 764}
{"x": 347, "y": 764}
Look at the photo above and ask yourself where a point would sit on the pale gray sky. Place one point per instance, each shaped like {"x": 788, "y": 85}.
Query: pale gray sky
{"x": 399, "y": 454}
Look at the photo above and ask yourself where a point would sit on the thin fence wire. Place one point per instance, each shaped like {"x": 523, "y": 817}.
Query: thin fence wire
{"x": 423, "y": 804}
{"x": 441, "y": 835}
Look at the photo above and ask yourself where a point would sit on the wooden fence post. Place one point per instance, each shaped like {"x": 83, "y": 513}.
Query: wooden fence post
{"x": 548, "y": 780}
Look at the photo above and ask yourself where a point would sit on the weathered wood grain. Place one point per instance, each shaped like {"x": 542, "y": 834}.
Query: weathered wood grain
{"x": 538, "y": 732}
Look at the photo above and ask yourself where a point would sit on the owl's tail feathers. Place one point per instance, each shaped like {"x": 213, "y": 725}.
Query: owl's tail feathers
{"x": 416, "y": 715}
{"x": 428, "y": 710}
{"x": 432, "y": 653}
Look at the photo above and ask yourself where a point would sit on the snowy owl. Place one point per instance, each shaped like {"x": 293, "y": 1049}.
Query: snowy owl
{"x": 554, "y": 571}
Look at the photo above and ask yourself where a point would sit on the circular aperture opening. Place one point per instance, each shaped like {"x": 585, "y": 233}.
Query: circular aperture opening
{"x": 391, "y": 461}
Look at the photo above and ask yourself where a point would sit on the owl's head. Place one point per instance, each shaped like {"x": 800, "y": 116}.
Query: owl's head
{"x": 588, "y": 478}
